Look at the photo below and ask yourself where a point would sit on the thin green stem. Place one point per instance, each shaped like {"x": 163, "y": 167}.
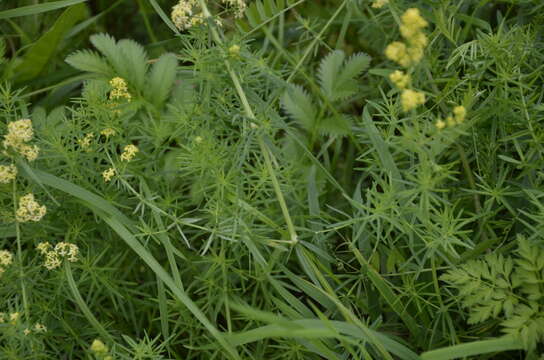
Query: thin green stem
{"x": 20, "y": 253}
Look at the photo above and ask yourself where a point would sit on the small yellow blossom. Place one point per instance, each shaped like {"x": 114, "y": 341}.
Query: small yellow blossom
{"x": 234, "y": 50}
{"x": 13, "y": 317}
{"x": 85, "y": 143}
{"x": 239, "y": 6}
{"x": 440, "y": 124}
{"x": 410, "y": 99}
{"x": 40, "y": 328}
{"x": 27, "y": 331}
{"x": 108, "y": 174}
{"x": 107, "y": 132}
{"x": 29, "y": 209}
{"x": 182, "y": 14}
{"x": 44, "y": 247}
{"x": 99, "y": 347}
{"x": 400, "y": 79}
{"x": 119, "y": 89}
{"x": 6, "y": 258}
{"x": 19, "y": 133}
{"x": 450, "y": 121}
{"x": 198, "y": 139}
{"x": 377, "y": 4}
{"x": 129, "y": 152}
{"x": 52, "y": 260}
{"x": 67, "y": 250}
{"x": 397, "y": 51}
{"x": 7, "y": 173}
{"x": 412, "y": 24}
{"x": 459, "y": 112}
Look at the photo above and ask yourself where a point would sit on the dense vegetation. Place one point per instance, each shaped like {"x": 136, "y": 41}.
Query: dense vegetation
{"x": 272, "y": 179}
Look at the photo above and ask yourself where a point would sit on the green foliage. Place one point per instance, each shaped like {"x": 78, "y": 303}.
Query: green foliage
{"x": 507, "y": 288}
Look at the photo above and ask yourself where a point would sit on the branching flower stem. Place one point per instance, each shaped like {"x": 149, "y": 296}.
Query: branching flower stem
{"x": 251, "y": 115}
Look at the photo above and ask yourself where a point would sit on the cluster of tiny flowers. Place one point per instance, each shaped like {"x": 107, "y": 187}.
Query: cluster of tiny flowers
{"x": 459, "y": 114}
{"x": 239, "y": 6}
{"x": 400, "y": 79}
{"x": 410, "y": 99}
{"x": 85, "y": 142}
{"x": 129, "y": 152}
{"x": 184, "y": 15}
{"x": 6, "y": 258}
{"x": 54, "y": 255}
{"x": 411, "y": 30}
{"x": 19, "y": 133}
{"x": 29, "y": 209}
{"x": 107, "y": 132}
{"x": 379, "y": 3}
{"x": 12, "y": 317}
{"x": 100, "y": 350}
{"x": 108, "y": 174}
{"x": 7, "y": 173}
{"x": 119, "y": 89}
{"x": 38, "y": 329}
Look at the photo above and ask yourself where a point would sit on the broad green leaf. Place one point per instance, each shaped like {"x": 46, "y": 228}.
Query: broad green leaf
{"x": 135, "y": 61}
{"x": 40, "y": 54}
{"x": 37, "y": 9}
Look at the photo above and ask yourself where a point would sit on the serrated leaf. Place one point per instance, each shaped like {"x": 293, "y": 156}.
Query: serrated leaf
{"x": 107, "y": 45}
{"x": 161, "y": 79}
{"x": 328, "y": 70}
{"x": 335, "y": 125}
{"x": 298, "y": 104}
{"x": 135, "y": 60}
{"x": 90, "y": 61}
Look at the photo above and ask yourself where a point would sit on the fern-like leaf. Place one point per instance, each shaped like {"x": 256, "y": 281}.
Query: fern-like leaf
{"x": 338, "y": 76}
{"x": 161, "y": 79}
{"x": 89, "y": 61}
{"x": 135, "y": 61}
{"x": 107, "y": 45}
{"x": 298, "y": 104}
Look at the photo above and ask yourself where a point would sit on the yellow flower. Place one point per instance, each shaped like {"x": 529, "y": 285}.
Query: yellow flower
{"x": 85, "y": 143}
{"x": 52, "y": 260}
{"x": 129, "y": 152}
{"x": 67, "y": 250}
{"x": 27, "y": 331}
{"x": 40, "y": 328}
{"x": 379, "y": 3}
{"x": 239, "y": 6}
{"x": 119, "y": 89}
{"x": 98, "y": 347}
{"x": 410, "y": 99}
{"x": 397, "y": 52}
{"x": 108, "y": 174}
{"x": 459, "y": 112}
{"x": 7, "y": 173}
{"x": 19, "y": 133}
{"x": 107, "y": 132}
{"x": 29, "y": 209}
{"x": 182, "y": 13}
{"x": 6, "y": 258}
{"x": 412, "y": 19}
{"x": 440, "y": 124}
{"x": 13, "y": 317}
{"x": 234, "y": 50}
{"x": 43, "y": 247}
{"x": 400, "y": 79}
{"x": 54, "y": 255}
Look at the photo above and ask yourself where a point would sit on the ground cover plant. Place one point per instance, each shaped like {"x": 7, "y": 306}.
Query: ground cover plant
{"x": 272, "y": 179}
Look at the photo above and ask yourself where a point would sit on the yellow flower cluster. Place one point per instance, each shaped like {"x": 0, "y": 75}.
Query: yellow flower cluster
{"x": 13, "y": 317}
{"x": 107, "y": 132}
{"x": 119, "y": 89}
{"x": 411, "y": 30}
{"x": 85, "y": 142}
{"x": 100, "y": 350}
{"x": 6, "y": 258}
{"x": 182, "y": 14}
{"x": 54, "y": 255}
{"x": 239, "y": 6}
{"x": 19, "y": 133}
{"x": 400, "y": 79}
{"x": 129, "y": 152}
{"x": 29, "y": 209}
{"x": 459, "y": 114}
{"x": 377, "y": 4}
{"x": 411, "y": 99}
{"x": 108, "y": 174}
{"x": 7, "y": 173}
